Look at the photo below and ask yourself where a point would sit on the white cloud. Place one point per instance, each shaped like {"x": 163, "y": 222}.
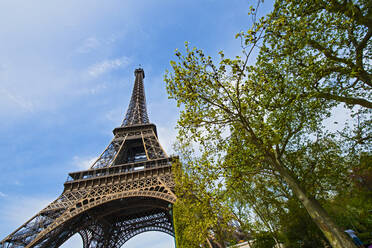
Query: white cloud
{"x": 17, "y": 100}
{"x": 18, "y": 183}
{"x": 17, "y": 210}
{"x": 30, "y": 86}
{"x": 95, "y": 44}
{"x": 115, "y": 116}
{"x": 90, "y": 89}
{"x": 83, "y": 163}
{"x": 167, "y": 137}
{"x": 2, "y": 194}
{"x": 108, "y": 65}
{"x": 114, "y": 37}
{"x": 89, "y": 45}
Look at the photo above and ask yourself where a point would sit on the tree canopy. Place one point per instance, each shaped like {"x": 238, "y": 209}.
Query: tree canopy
{"x": 255, "y": 156}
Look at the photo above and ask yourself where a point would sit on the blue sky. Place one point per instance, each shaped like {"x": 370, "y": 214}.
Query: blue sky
{"x": 66, "y": 75}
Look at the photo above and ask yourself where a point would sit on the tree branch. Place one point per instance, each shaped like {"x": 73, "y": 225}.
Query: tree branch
{"x": 329, "y": 54}
{"x": 348, "y": 100}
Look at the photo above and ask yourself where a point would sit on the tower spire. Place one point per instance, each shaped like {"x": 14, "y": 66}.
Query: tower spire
{"x": 137, "y": 112}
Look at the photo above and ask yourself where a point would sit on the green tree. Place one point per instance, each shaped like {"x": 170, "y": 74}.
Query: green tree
{"x": 201, "y": 216}
{"x": 320, "y": 167}
{"x": 298, "y": 229}
{"x": 325, "y": 47}
{"x": 212, "y": 99}
{"x": 313, "y": 56}
{"x": 352, "y": 206}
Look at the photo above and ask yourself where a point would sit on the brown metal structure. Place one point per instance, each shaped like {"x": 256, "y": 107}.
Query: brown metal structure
{"x": 127, "y": 191}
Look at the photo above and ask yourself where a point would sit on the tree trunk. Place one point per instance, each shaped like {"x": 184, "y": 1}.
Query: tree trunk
{"x": 336, "y": 237}
{"x": 209, "y": 243}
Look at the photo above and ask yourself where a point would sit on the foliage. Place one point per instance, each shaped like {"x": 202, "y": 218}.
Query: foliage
{"x": 258, "y": 130}
{"x": 325, "y": 47}
{"x": 352, "y": 206}
{"x": 200, "y": 211}
{"x": 298, "y": 229}
{"x": 263, "y": 240}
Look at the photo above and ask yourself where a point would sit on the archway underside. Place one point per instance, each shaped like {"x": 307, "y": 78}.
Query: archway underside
{"x": 112, "y": 224}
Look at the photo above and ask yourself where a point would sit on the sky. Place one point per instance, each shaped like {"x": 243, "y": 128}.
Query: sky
{"x": 66, "y": 75}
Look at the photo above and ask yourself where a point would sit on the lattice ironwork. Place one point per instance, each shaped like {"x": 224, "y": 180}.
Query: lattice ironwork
{"x": 125, "y": 228}
{"x": 153, "y": 147}
{"x": 137, "y": 111}
{"x": 108, "y": 155}
{"x": 128, "y": 190}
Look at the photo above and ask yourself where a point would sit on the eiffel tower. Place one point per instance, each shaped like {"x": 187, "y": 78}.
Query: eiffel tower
{"x": 128, "y": 190}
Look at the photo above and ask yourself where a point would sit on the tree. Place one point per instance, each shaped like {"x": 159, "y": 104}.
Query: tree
{"x": 329, "y": 42}
{"x": 201, "y": 217}
{"x": 298, "y": 229}
{"x": 280, "y": 102}
{"x": 325, "y": 46}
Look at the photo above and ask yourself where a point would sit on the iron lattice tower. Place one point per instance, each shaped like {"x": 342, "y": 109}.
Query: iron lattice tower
{"x": 128, "y": 190}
